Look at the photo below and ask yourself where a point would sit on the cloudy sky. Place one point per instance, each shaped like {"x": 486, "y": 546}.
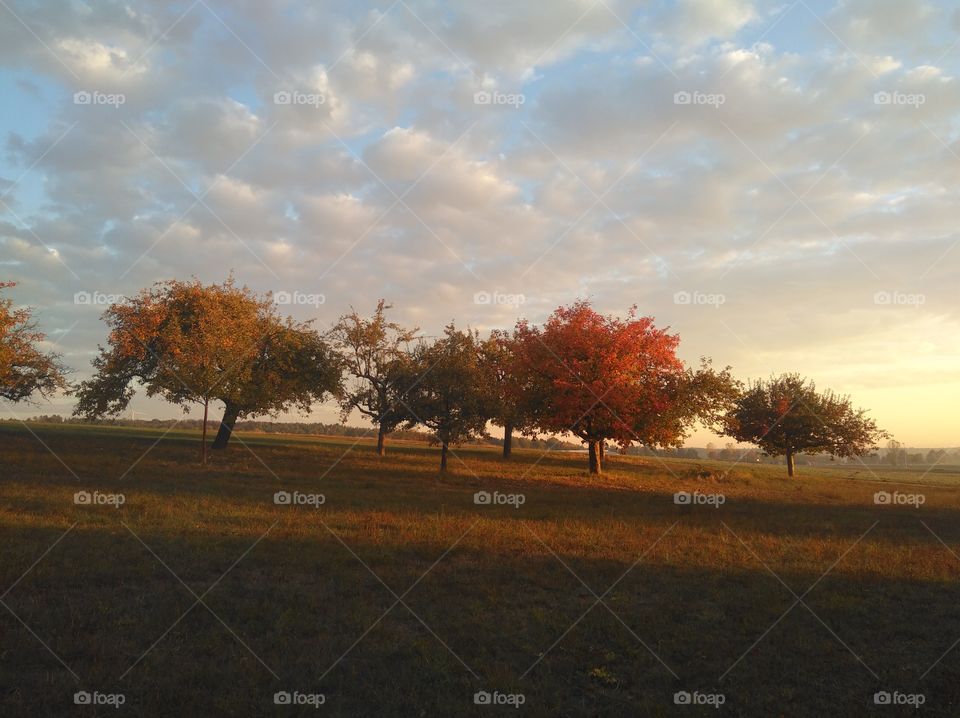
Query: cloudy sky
{"x": 778, "y": 182}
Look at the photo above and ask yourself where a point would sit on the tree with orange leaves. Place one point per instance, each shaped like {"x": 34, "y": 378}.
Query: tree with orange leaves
{"x": 193, "y": 344}
{"x": 25, "y": 369}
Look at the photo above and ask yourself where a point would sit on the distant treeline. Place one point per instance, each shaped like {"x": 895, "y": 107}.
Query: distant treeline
{"x": 312, "y": 428}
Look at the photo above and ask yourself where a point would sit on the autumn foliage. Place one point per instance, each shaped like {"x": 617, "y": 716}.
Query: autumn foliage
{"x": 25, "y": 369}
{"x": 606, "y": 379}
{"x": 192, "y": 344}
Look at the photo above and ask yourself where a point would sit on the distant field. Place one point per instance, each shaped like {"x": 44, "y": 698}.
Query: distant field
{"x": 400, "y": 596}
{"x": 938, "y": 475}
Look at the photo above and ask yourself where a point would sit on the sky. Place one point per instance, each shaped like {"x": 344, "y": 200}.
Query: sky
{"x": 779, "y": 183}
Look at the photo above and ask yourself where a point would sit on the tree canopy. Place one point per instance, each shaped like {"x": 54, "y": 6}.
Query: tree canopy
{"x": 506, "y": 380}
{"x": 446, "y": 391}
{"x": 786, "y": 415}
{"x": 192, "y": 343}
{"x": 603, "y": 378}
{"x": 374, "y": 353}
{"x": 25, "y": 368}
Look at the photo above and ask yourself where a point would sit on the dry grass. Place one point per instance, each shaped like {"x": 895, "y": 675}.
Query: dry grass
{"x": 493, "y": 597}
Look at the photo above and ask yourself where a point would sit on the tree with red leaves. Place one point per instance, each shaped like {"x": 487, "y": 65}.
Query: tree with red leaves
{"x": 603, "y": 378}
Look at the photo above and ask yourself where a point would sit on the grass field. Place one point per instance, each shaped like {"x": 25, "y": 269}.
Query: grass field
{"x": 400, "y": 596}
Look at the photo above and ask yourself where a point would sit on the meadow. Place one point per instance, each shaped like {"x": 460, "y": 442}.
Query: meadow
{"x": 396, "y": 594}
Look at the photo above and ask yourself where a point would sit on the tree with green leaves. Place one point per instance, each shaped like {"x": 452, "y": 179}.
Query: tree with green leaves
{"x": 193, "y": 344}
{"x": 506, "y": 380}
{"x": 25, "y": 368}
{"x": 703, "y": 396}
{"x": 786, "y": 415}
{"x": 291, "y": 368}
{"x": 375, "y": 353}
{"x": 446, "y": 390}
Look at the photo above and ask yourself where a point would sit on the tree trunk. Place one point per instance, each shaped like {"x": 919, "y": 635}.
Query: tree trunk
{"x": 790, "y": 464}
{"x": 229, "y": 420}
{"x": 594, "y": 449}
{"x": 507, "y": 440}
{"x": 443, "y": 458}
{"x": 203, "y": 434}
{"x": 603, "y": 451}
{"x": 382, "y": 441}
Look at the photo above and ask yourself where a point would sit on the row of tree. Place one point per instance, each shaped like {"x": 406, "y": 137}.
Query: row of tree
{"x": 604, "y": 379}
{"x": 897, "y": 455}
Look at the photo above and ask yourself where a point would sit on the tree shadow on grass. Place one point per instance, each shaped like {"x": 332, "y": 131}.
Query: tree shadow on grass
{"x": 486, "y": 617}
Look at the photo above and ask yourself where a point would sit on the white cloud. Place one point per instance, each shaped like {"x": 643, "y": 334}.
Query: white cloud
{"x": 696, "y": 21}
{"x": 798, "y": 197}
